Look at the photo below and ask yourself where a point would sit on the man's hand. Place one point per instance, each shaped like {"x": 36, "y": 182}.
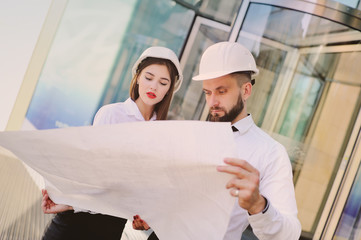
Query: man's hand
{"x": 49, "y": 206}
{"x": 244, "y": 185}
{"x": 139, "y": 224}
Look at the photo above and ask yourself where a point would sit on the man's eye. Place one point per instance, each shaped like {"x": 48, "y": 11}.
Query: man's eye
{"x": 206, "y": 93}
{"x": 222, "y": 91}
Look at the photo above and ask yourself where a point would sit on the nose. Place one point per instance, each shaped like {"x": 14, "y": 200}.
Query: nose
{"x": 212, "y": 100}
{"x": 153, "y": 86}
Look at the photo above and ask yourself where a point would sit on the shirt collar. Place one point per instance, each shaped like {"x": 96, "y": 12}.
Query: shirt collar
{"x": 132, "y": 109}
{"x": 244, "y": 124}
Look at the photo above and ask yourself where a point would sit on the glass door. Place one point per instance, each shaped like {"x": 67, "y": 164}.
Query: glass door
{"x": 345, "y": 218}
{"x": 307, "y": 95}
{"x": 188, "y": 103}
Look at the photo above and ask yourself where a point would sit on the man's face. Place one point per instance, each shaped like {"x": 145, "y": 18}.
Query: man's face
{"x": 224, "y": 99}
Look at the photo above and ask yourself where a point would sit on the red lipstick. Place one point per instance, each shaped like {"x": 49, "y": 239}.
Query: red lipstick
{"x": 151, "y": 95}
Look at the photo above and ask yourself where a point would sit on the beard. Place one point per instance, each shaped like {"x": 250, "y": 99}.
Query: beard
{"x": 228, "y": 116}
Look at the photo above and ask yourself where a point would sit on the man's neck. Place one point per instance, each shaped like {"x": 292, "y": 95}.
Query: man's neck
{"x": 240, "y": 116}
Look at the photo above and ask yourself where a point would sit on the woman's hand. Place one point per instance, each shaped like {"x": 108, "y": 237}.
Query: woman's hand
{"x": 49, "y": 206}
{"x": 139, "y": 224}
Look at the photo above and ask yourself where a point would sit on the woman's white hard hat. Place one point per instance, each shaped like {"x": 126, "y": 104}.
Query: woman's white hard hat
{"x": 224, "y": 58}
{"x": 165, "y": 53}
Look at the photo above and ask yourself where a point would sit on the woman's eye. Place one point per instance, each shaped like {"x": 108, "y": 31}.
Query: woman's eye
{"x": 164, "y": 83}
{"x": 148, "y": 78}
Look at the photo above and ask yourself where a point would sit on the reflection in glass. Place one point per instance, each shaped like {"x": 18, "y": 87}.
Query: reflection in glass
{"x": 307, "y": 94}
{"x": 350, "y": 3}
{"x": 153, "y": 23}
{"x": 266, "y": 80}
{"x": 222, "y": 11}
{"x": 349, "y": 226}
{"x": 78, "y": 63}
{"x": 301, "y": 101}
{"x": 89, "y": 63}
{"x": 189, "y": 101}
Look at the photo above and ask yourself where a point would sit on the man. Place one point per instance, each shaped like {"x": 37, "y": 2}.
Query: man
{"x": 262, "y": 174}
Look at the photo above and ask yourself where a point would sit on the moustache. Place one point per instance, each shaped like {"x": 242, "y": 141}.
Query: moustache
{"x": 217, "y": 108}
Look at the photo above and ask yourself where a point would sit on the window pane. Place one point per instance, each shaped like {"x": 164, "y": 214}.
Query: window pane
{"x": 78, "y": 63}
{"x": 307, "y": 94}
{"x": 349, "y": 226}
{"x": 189, "y": 101}
{"x": 223, "y": 11}
{"x": 160, "y": 23}
{"x": 96, "y": 44}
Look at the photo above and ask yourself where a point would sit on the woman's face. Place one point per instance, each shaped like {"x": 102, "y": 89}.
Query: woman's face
{"x": 154, "y": 82}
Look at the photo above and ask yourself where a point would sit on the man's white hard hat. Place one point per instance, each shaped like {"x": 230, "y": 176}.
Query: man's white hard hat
{"x": 165, "y": 53}
{"x": 224, "y": 58}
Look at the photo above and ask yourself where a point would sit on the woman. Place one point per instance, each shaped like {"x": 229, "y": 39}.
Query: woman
{"x": 156, "y": 76}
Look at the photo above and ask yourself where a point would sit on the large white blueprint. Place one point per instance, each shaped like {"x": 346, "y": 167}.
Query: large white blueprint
{"x": 165, "y": 171}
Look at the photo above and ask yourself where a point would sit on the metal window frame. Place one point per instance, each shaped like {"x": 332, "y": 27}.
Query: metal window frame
{"x": 190, "y": 42}
{"x": 347, "y": 171}
{"x": 37, "y": 61}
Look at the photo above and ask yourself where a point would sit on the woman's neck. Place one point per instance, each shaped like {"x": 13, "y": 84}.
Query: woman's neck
{"x": 145, "y": 110}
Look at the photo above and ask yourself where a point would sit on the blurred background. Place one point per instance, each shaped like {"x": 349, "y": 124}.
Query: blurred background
{"x": 61, "y": 60}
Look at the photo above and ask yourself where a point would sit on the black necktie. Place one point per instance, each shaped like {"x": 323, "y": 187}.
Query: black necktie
{"x": 234, "y": 129}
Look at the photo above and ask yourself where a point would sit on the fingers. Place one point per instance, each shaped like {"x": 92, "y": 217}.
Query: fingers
{"x": 237, "y": 171}
{"x": 240, "y": 163}
{"x": 250, "y": 183}
{"x": 139, "y": 224}
{"x": 146, "y": 226}
{"x": 234, "y": 192}
{"x": 44, "y": 191}
{"x": 245, "y": 183}
{"x": 237, "y": 183}
{"x": 239, "y": 168}
{"x": 46, "y": 203}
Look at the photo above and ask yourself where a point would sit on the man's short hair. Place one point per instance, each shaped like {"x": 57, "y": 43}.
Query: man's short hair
{"x": 242, "y": 77}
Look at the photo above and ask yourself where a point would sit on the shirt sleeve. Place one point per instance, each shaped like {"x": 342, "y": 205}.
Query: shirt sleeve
{"x": 103, "y": 116}
{"x": 280, "y": 220}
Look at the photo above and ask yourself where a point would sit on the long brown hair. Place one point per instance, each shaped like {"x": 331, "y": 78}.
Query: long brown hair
{"x": 162, "y": 107}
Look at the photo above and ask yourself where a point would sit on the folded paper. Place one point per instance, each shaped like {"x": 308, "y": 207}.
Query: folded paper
{"x": 164, "y": 171}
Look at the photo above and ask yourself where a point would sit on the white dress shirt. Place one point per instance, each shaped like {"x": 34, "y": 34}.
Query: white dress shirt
{"x": 280, "y": 221}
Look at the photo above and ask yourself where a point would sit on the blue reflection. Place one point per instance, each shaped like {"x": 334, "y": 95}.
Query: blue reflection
{"x": 96, "y": 44}
{"x": 350, "y": 225}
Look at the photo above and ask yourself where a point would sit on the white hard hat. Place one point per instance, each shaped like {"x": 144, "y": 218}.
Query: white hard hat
{"x": 165, "y": 53}
{"x": 224, "y": 58}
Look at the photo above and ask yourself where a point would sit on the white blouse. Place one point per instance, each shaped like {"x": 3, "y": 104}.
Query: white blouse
{"x": 114, "y": 113}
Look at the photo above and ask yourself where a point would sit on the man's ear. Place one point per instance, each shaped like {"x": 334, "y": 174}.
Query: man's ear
{"x": 247, "y": 90}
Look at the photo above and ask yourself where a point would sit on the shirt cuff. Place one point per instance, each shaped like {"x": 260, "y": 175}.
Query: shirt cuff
{"x": 79, "y": 210}
{"x": 269, "y": 214}
{"x": 265, "y": 208}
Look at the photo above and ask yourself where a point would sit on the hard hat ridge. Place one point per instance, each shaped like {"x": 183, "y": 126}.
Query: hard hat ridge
{"x": 224, "y": 58}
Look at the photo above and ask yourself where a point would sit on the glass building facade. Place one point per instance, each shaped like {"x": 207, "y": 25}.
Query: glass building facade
{"x": 307, "y": 95}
